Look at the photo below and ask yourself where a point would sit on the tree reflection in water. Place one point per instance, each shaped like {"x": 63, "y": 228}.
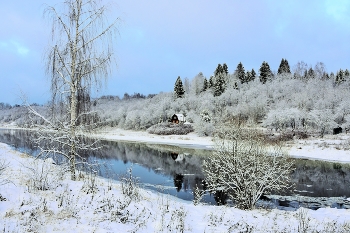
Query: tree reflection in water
{"x": 179, "y": 171}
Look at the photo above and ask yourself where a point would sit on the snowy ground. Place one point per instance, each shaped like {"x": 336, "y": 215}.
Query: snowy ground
{"x": 330, "y": 148}
{"x": 40, "y": 198}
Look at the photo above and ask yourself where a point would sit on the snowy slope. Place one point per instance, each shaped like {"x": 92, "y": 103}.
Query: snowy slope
{"x": 41, "y": 198}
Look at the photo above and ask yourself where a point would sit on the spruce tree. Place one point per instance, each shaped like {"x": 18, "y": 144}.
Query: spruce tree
{"x": 241, "y": 73}
{"x": 265, "y": 72}
{"x": 248, "y": 76}
{"x": 253, "y": 75}
{"x": 340, "y": 77}
{"x": 311, "y": 73}
{"x": 211, "y": 82}
{"x": 219, "y": 86}
{"x": 219, "y": 70}
{"x": 179, "y": 89}
{"x": 284, "y": 67}
{"x": 281, "y": 67}
{"x": 225, "y": 68}
{"x": 205, "y": 84}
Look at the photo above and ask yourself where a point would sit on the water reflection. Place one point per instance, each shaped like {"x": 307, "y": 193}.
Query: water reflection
{"x": 177, "y": 171}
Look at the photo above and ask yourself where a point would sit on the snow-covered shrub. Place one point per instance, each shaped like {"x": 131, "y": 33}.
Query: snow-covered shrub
{"x": 322, "y": 121}
{"x": 3, "y": 166}
{"x": 243, "y": 167}
{"x": 130, "y": 186}
{"x": 168, "y": 128}
{"x": 203, "y": 128}
{"x": 3, "y": 180}
{"x": 205, "y": 116}
{"x": 41, "y": 175}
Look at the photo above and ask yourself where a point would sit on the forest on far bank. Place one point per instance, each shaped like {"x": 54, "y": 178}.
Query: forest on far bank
{"x": 307, "y": 100}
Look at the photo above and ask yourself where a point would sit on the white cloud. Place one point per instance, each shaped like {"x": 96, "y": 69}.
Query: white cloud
{"x": 14, "y": 47}
{"x": 338, "y": 9}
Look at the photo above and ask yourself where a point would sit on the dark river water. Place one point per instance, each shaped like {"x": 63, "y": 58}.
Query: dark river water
{"x": 177, "y": 170}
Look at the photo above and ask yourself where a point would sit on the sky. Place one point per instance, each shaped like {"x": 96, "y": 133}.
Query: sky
{"x": 160, "y": 40}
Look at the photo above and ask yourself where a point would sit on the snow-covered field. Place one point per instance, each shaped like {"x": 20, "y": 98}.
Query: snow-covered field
{"x": 39, "y": 197}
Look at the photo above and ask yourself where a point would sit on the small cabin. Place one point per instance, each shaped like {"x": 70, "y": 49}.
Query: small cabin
{"x": 337, "y": 130}
{"x": 177, "y": 157}
{"x": 178, "y": 118}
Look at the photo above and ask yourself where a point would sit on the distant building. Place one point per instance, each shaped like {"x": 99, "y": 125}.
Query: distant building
{"x": 178, "y": 118}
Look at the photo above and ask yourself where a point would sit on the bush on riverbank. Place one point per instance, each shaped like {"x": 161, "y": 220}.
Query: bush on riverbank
{"x": 168, "y": 128}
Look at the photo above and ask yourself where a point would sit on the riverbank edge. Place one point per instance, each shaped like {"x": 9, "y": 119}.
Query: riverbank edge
{"x": 331, "y": 148}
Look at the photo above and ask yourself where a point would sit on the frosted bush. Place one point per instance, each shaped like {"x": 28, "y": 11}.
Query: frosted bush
{"x": 168, "y": 128}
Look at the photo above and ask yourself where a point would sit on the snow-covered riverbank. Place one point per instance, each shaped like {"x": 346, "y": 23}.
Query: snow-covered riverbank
{"x": 333, "y": 148}
{"x": 40, "y": 198}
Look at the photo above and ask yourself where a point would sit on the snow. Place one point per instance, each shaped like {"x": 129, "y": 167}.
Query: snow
{"x": 99, "y": 205}
{"x": 334, "y": 148}
{"x": 189, "y": 140}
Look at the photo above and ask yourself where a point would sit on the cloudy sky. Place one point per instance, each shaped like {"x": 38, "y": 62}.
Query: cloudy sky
{"x": 162, "y": 39}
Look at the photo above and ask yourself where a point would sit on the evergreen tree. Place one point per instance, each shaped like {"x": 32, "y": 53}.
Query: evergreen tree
{"x": 211, "y": 82}
{"x": 225, "y": 68}
{"x": 325, "y": 76}
{"x": 179, "y": 89}
{"x": 305, "y": 76}
{"x": 219, "y": 70}
{"x": 311, "y": 73}
{"x": 340, "y": 77}
{"x": 284, "y": 67}
{"x": 241, "y": 73}
{"x": 205, "y": 84}
{"x": 265, "y": 72}
{"x": 219, "y": 86}
{"x": 248, "y": 76}
{"x": 346, "y": 73}
{"x": 253, "y": 75}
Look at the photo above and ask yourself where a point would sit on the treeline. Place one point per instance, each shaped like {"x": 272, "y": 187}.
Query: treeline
{"x": 222, "y": 80}
{"x": 303, "y": 100}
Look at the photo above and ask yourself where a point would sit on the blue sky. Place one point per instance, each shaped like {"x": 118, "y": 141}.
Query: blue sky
{"x": 162, "y": 39}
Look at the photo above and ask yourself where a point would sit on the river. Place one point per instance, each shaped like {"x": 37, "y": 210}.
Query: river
{"x": 177, "y": 171}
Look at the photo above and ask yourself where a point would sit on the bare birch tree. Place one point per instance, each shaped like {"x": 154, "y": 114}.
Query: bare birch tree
{"x": 245, "y": 168}
{"x": 79, "y": 59}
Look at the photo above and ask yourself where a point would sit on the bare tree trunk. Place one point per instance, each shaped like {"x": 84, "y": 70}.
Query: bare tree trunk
{"x": 73, "y": 117}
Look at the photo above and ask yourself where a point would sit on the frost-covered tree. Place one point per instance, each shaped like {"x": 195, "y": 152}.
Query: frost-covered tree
{"x": 253, "y": 75}
{"x": 245, "y": 168}
{"x": 219, "y": 70}
{"x": 79, "y": 58}
{"x": 248, "y": 76}
{"x": 220, "y": 84}
{"x": 178, "y": 88}
{"x": 225, "y": 68}
{"x": 211, "y": 82}
{"x": 186, "y": 85}
{"x": 240, "y": 73}
{"x": 320, "y": 70}
{"x": 205, "y": 84}
{"x": 197, "y": 84}
{"x": 299, "y": 69}
{"x": 310, "y": 73}
{"x": 265, "y": 72}
{"x": 284, "y": 67}
{"x": 340, "y": 77}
